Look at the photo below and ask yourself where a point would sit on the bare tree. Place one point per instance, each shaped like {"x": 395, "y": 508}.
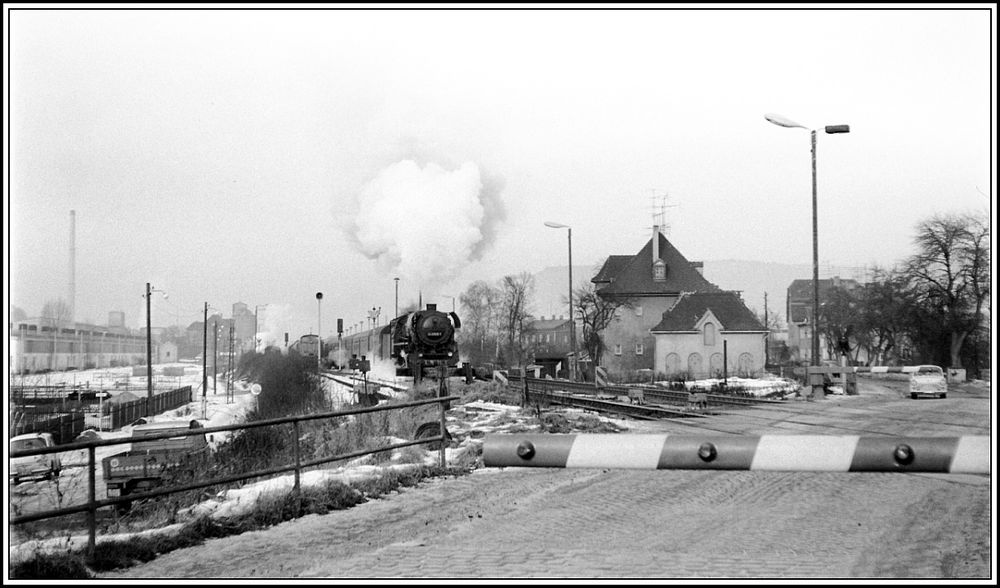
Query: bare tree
{"x": 515, "y": 309}
{"x": 596, "y": 313}
{"x": 480, "y": 303}
{"x": 951, "y": 273}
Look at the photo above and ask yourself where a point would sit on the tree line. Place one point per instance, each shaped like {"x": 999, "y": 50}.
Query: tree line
{"x": 933, "y": 307}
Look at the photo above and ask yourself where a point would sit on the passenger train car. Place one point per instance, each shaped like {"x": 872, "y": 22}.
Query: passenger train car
{"x": 307, "y": 345}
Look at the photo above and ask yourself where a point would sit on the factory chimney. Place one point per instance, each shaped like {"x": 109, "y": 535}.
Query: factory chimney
{"x": 72, "y": 265}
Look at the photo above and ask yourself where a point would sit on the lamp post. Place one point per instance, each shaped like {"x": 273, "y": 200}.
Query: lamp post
{"x": 830, "y": 129}
{"x": 319, "y": 328}
{"x": 149, "y": 347}
{"x": 572, "y": 325}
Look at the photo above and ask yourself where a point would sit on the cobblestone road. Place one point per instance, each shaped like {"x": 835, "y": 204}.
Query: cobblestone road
{"x": 644, "y": 524}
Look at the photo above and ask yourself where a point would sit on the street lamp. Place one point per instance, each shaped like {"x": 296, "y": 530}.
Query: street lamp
{"x": 830, "y": 129}
{"x": 149, "y": 347}
{"x": 319, "y": 329}
{"x": 572, "y": 325}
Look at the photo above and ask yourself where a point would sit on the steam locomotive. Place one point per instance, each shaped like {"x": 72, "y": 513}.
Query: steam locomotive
{"x": 420, "y": 343}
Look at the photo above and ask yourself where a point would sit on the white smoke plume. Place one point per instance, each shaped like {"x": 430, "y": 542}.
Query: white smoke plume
{"x": 270, "y": 318}
{"x": 425, "y": 224}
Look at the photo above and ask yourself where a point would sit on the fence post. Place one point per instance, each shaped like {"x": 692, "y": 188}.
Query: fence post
{"x": 295, "y": 425}
{"x": 441, "y": 457}
{"x": 92, "y": 495}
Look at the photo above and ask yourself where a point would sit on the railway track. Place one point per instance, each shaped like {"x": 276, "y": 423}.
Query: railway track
{"x": 640, "y": 411}
{"x": 657, "y": 394}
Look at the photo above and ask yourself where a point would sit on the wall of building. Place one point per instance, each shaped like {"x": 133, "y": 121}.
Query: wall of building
{"x": 629, "y": 329}
{"x": 35, "y": 347}
{"x": 688, "y": 353}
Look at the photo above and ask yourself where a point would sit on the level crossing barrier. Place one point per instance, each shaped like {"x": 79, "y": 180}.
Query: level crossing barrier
{"x": 969, "y": 454}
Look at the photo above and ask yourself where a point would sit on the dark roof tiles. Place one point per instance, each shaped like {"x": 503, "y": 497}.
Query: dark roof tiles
{"x": 727, "y": 307}
{"x": 624, "y": 275}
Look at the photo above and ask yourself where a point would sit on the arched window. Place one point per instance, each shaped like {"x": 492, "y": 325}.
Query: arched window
{"x": 715, "y": 365}
{"x": 695, "y": 365}
{"x": 673, "y": 363}
{"x": 709, "y": 329}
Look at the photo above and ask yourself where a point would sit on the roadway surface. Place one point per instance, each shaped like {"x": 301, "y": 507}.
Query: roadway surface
{"x": 528, "y": 523}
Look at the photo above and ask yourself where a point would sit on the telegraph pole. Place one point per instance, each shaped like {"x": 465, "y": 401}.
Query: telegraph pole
{"x": 767, "y": 338}
{"x": 204, "y": 355}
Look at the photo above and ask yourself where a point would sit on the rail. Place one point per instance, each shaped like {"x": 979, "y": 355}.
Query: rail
{"x": 658, "y": 392}
{"x": 93, "y": 504}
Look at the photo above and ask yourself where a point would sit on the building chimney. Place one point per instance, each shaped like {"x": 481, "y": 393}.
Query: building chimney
{"x": 656, "y": 243}
{"x": 659, "y": 267}
{"x": 699, "y": 265}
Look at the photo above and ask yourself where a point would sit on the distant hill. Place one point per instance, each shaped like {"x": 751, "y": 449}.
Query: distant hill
{"x": 754, "y": 278}
{"x": 552, "y": 289}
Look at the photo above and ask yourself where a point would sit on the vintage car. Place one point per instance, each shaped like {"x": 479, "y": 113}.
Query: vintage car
{"x": 34, "y": 466}
{"x": 928, "y": 380}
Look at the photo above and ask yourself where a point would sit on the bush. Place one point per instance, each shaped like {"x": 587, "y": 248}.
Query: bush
{"x": 51, "y": 567}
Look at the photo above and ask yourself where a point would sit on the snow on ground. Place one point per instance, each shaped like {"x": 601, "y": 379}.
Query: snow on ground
{"x": 763, "y": 386}
{"x": 470, "y": 422}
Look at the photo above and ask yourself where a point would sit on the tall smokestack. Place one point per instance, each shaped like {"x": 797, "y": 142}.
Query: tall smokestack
{"x": 72, "y": 265}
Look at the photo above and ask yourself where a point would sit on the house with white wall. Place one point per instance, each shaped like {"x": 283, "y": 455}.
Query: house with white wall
{"x": 709, "y": 335}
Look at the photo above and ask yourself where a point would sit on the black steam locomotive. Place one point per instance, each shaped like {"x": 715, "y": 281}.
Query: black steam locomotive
{"x": 423, "y": 343}
{"x": 420, "y": 343}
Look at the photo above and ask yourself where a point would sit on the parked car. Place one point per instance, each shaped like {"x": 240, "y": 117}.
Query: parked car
{"x": 34, "y": 466}
{"x": 928, "y": 380}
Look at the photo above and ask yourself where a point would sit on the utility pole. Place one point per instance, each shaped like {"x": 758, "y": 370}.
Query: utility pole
{"x": 204, "y": 355}
{"x": 149, "y": 354}
{"x": 767, "y": 337}
{"x": 215, "y": 357}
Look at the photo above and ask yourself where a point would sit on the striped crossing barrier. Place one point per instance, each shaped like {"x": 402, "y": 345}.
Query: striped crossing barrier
{"x": 968, "y": 454}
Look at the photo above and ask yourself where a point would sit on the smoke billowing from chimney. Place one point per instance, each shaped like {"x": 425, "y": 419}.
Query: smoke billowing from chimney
{"x": 426, "y": 223}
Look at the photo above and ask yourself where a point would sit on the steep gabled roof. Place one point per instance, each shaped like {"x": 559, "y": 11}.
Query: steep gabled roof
{"x": 633, "y": 275}
{"x": 726, "y": 306}
{"x": 611, "y": 268}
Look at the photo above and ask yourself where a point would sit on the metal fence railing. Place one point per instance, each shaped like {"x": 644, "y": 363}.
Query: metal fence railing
{"x": 93, "y": 503}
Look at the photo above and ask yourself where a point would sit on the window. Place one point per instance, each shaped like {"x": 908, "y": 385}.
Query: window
{"x": 709, "y": 334}
{"x": 638, "y": 349}
{"x": 618, "y": 349}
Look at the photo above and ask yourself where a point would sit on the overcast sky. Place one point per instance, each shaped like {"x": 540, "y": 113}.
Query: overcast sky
{"x": 262, "y": 156}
